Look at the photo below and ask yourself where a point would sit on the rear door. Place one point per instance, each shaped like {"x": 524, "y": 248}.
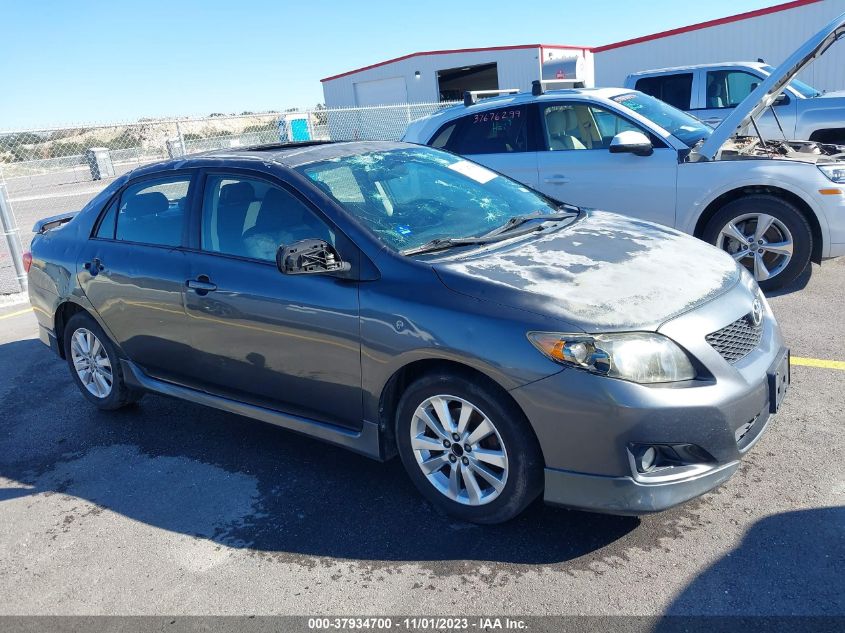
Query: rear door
{"x": 287, "y": 342}
{"x": 133, "y": 270}
{"x": 502, "y": 139}
{"x": 577, "y": 166}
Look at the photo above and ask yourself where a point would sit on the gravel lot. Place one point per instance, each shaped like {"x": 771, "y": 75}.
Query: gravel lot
{"x": 171, "y": 508}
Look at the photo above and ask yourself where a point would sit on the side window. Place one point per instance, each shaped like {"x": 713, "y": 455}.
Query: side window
{"x": 151, "y": 211}
{"x": 727, "y": 88}
{"x": 249, "y": 217}
{"x": 106, "y": 228}
{"x": 500, "y": 131}
{"x": 579, "y": 126}
{"x": 673, "y": 89}
{"x": 441, "y": 139}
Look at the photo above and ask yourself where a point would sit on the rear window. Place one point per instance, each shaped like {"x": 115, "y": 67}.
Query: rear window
{"x": 673, "y": 89}
{"x": 501, "y": 131}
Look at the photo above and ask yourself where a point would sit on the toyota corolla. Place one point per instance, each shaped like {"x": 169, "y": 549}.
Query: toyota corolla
{"x": 395, "y": 299}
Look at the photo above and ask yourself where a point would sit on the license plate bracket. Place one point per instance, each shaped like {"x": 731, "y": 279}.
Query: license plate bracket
{"x": 779, "y": 379}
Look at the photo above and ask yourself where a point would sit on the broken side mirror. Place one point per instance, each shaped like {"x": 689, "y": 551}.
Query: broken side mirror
{"x": 312, "y": 256}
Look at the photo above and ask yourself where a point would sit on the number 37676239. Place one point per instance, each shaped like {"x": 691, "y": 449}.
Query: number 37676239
{"x": 498, "y": 115}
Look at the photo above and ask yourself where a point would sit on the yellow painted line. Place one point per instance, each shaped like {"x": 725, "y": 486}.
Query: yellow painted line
{"x": 817, "y": 362}
{"x": 14, "y": 314}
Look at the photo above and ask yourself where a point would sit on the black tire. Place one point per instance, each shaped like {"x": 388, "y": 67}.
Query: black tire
{"x": 784, "y": 211}
{"x": 120, "y": 394}
{"x": 524, "y": 480}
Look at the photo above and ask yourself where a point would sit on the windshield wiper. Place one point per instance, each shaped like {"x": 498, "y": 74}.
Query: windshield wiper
{"x": 497, "y": 235}
{"x": 519, "y": 220}
{"x": 442, "y": 243}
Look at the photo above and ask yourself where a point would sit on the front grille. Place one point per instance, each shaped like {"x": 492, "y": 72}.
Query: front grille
{"x": 735, "y": 341}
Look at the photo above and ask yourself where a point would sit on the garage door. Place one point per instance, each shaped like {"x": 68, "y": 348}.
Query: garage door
{"x": 381, "y": 92}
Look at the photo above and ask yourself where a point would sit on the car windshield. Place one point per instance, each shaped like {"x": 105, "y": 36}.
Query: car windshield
{"x": 679, "y": 124}
{"x": 410, "y": 196}
{"x": 805, "y": 90}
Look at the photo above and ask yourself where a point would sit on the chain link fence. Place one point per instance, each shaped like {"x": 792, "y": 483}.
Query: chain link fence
{"x": 49, "y": 171}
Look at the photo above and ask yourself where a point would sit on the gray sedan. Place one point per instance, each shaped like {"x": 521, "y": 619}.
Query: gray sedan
{"x": 395, "y": 299}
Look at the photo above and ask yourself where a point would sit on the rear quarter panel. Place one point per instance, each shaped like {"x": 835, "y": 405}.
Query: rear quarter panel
{"x": 52, "y": 277}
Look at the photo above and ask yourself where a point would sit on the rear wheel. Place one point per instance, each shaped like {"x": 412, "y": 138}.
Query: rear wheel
{"x": 468, "y": 450}
{"x": 94, "y": 364}
{"x": 768, "y": 235}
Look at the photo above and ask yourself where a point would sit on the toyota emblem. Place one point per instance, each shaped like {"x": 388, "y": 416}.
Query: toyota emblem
{"x": 756, "y": 312}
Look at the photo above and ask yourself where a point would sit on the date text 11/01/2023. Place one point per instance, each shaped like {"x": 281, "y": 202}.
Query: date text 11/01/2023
{"x": 417, "y": 623}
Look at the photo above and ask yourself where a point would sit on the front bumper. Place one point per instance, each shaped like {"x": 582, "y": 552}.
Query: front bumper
{"x": 624, "y": 495}
{"x": 589, "y": 426}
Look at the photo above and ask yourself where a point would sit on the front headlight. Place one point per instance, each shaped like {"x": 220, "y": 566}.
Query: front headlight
{"x": 835, "y": 172}
{"x": 641, "y": 357}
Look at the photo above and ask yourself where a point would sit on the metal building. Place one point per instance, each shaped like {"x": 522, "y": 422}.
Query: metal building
{"x": 770, "y": 34}
{"x": 433, "y": 76}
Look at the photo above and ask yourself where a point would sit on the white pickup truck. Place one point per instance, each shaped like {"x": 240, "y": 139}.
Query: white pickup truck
{"x": 711, "y": 91}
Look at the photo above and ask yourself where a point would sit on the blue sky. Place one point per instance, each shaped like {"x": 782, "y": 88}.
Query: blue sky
{"x": 84, "y": 61}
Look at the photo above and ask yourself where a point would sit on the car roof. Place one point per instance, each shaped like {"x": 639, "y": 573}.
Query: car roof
{"x": 520, "y": 98}
{"x": 285, "y": 154}
{"x": 656, "y": 71}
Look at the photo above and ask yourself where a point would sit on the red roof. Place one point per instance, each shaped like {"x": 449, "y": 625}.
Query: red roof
{"x": 597, "y": 49}
{"x": 455, "y": 50}
{"x": 705, "y": 25}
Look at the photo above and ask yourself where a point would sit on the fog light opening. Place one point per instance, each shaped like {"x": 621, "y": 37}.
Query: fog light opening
{"x": 655, "y": 460}
{"x": 646, "y": 459}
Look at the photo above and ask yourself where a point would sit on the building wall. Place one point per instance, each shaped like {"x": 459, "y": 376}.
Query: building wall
{"x": 773, "y": 37}
{"x": 517, "y": 68}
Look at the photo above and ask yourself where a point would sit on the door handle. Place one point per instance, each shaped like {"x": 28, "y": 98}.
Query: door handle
{"x": 712, "y": 122}
{"x": 201, "y": 285}
{"x": 557, "y": 179}
{"x": 95, "y": 266}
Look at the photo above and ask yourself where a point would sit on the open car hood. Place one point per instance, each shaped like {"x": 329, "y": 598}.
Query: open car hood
{"x": 769, "y": 89}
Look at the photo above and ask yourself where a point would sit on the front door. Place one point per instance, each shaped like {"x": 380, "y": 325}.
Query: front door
{"x": 287, "y": 342}
{"x": 577, "y": 166}
{"x": 133, "y": 271}
{"x": 725, "y": 89}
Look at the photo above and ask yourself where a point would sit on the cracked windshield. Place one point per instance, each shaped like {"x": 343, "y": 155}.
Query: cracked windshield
{"x": 409, "y": 197}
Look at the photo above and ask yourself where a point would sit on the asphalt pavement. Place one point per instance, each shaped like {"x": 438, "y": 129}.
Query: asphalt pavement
{"x": 172, "y": 508}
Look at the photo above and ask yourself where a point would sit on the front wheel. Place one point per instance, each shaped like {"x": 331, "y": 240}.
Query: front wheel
{"x": 768, "y": 235}
{"x": 468, "y": 449}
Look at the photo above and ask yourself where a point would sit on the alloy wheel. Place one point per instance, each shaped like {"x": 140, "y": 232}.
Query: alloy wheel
{"x": 459, "y": 450}
{"x": 91, "y": 363}
{"x": 759, "y": 241}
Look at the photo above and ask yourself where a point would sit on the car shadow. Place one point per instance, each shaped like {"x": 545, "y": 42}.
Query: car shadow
{"x": 775, "y": 571}
{"x": 242, "y": 483}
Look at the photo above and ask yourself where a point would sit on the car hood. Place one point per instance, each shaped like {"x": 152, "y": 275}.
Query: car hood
{"x": 604, "y": 272}
{"x": 769, "y": 89}
{"x": 835, "y": 94}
